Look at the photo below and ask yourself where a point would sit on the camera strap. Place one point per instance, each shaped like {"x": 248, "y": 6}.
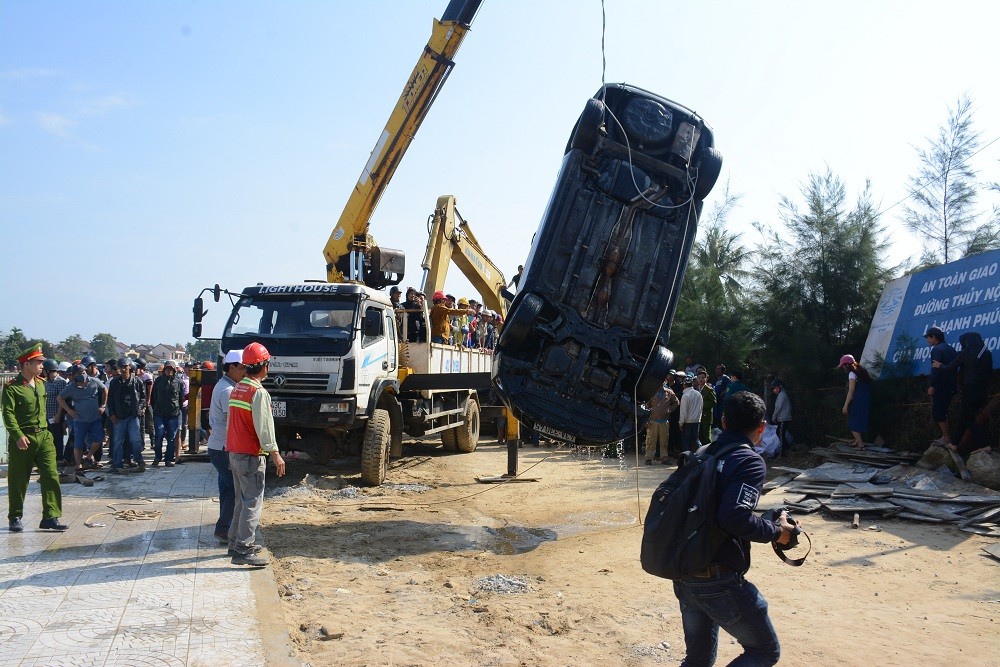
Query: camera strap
{"x": 780, "y": 549}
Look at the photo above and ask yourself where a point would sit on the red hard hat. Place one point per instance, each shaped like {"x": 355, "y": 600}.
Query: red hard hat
{"x": 208, "y": 366}
{"x": 437, "y": 295}
{"x": 254, "y": 353}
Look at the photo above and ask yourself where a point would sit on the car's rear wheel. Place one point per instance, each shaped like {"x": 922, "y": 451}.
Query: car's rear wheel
{"x": 519, "y": 323}
{"x": 709, "y": 168}
{"x": 588, "y": 127}
{"x": 656, "y": 370}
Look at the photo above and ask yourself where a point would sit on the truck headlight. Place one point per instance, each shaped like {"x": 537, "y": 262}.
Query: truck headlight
{"x": 335, "y": 407}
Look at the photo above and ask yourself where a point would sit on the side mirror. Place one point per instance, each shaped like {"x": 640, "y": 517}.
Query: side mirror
{"x": 196, "y": 330}
{"x": 199, "y": 309}
{"x": 217, "y": 292}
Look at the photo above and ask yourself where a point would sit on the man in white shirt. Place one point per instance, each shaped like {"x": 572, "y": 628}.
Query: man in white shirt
{"x": 690, "y": 414}
{"x": 218, "y": 418}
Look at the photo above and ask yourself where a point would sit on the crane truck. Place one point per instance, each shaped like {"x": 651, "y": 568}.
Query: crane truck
{"x": 342, "y": 378}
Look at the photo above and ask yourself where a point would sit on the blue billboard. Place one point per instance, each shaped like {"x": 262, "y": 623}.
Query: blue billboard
{"x": 955, "y": 297}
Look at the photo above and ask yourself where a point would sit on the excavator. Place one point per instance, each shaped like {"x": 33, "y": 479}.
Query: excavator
{"x": 450, "y": 240}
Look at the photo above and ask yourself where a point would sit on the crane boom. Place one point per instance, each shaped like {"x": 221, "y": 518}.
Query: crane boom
{"x": 351, "y": 253}
{"x": 451, "y": 240}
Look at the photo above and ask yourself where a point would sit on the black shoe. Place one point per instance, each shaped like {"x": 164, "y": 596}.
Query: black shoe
{"x": 222, "y": 537}
{"x": 16, "y": 526}
{"x": 169, "y": 464}
{"x": 52, "y": 524}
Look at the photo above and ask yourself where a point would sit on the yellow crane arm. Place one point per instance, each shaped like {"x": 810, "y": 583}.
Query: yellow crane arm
{"x": 349, "y": 245}
{"x": 447, "y": 243}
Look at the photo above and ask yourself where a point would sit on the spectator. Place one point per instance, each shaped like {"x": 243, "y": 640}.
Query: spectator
{"x": 147, "y": 415}
{"x": 23, "y": 406}
{"x": 781, "y": 417}
{"x": 516, "y": 280}
{"x": 736, "y": 384}
{"x": 690, "y": 414}
{"x": 677, "y": 386}
{"x": 89, "y": 398}
{"x": 661, "y": 405}
{"x": 168, "y": 394}
{"x": 218, "y": 417}
{"x": 55, "y": 383}
{"x": 691, "y": 367}
{"x": 250, "y": 440}
{"x": 440, "y": 322}
{"x": 943, "y": 385}
{"x": 707, "y": 406}
{"x": 721, "y": 384}
{"x": 182, "y": 429}
{"x": 394, "y": 295}
{"x": 416, "y": 331}
{"x": 975, "y": 362}
{"x": 858, "y": 403}
{"x": 126, "y": 406}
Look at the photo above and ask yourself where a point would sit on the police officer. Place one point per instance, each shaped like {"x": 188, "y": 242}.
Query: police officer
{"x": 23, "y": 408}
{"x": 720, "y": 595}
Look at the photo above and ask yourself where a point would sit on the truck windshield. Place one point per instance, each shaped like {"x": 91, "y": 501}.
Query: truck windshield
{"x": 294, "y": 325}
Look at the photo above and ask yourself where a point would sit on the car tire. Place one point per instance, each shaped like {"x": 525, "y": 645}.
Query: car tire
{"x": 375, "y": 449}
{"x": 520, "y": 321}
{"x": 709, "y": 168}
{"x": 467, "y": 435}
{"x": 588, "y": 127}
{"x": 651, "y": 379}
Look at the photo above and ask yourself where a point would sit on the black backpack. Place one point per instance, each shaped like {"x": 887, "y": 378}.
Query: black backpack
{"x": 680, "y": 535}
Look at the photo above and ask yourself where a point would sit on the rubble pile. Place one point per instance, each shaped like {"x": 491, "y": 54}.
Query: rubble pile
{"x": 879, "y": 483}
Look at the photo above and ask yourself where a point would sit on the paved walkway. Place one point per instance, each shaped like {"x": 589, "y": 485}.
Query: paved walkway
{"x": 151, "y": 593}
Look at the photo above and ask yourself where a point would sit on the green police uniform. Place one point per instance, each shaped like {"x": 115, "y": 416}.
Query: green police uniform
{"x": 23, "y": 408}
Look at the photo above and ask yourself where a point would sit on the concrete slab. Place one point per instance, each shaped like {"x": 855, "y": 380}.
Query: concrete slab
{"x": 149, "y": 592}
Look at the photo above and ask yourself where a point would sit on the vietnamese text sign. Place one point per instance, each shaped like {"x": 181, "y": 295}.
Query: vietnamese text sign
{"x": 955, "y": 297}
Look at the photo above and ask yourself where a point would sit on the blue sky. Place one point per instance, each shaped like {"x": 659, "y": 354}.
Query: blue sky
{"x": 148, "y": 150}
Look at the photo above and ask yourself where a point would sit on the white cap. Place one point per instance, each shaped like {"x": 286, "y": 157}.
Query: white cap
{"x": 234, "y": 357}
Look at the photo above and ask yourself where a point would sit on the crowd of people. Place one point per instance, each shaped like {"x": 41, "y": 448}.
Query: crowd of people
{"x": 49, "y": 400}
{"x": 464, "y": 322}
{"x": 119, "y": 404}
{"x": 686, "y": 412}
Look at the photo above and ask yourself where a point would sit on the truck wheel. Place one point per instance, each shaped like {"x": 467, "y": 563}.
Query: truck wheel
{"x": 519, "y": 324}
{"x": 467, "y": 435}
{"x": 375, "y": 449}
{"x": 709, "y": 168}
{"x": 588, "y": 127}
{"x": 448, "y": 440}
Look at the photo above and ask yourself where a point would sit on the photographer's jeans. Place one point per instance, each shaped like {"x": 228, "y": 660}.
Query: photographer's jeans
{"x": 122, "y": 430}
{"x": 731, "y": 602}
{"x": 165, "y": 429}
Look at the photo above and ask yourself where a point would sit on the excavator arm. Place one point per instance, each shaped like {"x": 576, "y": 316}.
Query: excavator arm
{"x": 351, "y": 253}
{"x": 450, "y": 241}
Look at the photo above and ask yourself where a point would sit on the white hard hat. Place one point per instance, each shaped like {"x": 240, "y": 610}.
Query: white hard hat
{"x": 63, "y": 366}
{"x": 234, "y": 357}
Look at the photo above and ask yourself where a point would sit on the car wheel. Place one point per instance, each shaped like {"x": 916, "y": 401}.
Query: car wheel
{"x": 588, "y": 127}
{"x": 375, "y": 449}
{"x": 709, "y": 168}
{"x": 519, "y": 323}
{"x": 652, "y": 378}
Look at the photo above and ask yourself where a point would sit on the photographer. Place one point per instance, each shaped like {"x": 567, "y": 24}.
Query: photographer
{"x": 720, "y": 596}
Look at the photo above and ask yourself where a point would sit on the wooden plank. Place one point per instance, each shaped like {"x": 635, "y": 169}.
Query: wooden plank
{"x": 807, "y": 506}
{"x": 927, "y": 509}
{"x": 778, "y": 482}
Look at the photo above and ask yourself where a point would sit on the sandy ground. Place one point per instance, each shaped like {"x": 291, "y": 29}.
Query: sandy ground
{"x": 394, "y": 576}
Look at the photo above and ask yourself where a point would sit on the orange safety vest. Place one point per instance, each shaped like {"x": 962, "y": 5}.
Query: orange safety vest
{"x": 241, "y": 435}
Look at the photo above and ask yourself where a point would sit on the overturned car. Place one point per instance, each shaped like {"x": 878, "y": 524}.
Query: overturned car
{"x": 584, "y": 344}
